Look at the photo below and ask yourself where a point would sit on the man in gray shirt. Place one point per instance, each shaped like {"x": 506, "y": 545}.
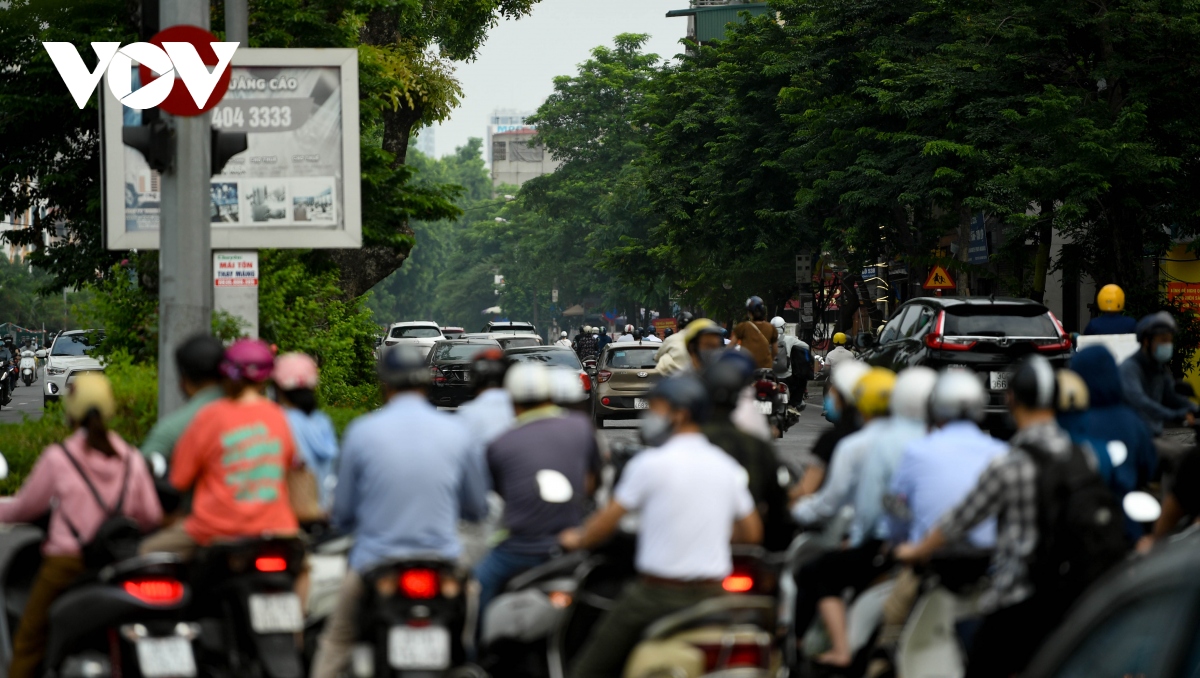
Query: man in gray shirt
{"x": 544, "y": 469}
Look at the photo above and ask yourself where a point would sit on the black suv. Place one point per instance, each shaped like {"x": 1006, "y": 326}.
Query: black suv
{"x": 450, "y": 366}
{"x": 979, "y": 333}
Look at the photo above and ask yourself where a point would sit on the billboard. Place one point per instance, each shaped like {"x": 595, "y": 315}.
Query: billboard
{"x": 297, "y": 185}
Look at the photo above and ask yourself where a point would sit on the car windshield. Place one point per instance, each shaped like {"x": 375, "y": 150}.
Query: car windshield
{"x": 1000, "y": 325}
{"x": 449, "y": 352}
{"x": 632, "y": 359}
{"x": 550, "y": 357}
{"x": 417, "y": 332}
{"x": 518, "y": 341}
{"x": 76, "y": 344}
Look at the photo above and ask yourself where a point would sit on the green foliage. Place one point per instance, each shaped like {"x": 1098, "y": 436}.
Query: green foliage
{"x": 24, "y": 302}
{"x": 303, "y": 310}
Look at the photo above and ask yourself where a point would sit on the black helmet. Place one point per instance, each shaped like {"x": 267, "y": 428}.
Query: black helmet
{"x": 1155, "y": 323}
{"x": 725, "y": 378}
{"x": 199, "y": 358}
{"x": 684, "y": 392}
{"x": 403, "y": 367}
{"x": 488, "y": 368}
{"x": 684, "y": 319}
{"x": 1033, "y": 383}
{"x": 756, "y": 308}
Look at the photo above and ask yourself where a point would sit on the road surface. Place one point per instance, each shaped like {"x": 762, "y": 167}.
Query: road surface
{"x": 26, "y": 401}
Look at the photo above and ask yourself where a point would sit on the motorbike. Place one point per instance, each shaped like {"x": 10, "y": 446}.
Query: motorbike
{"x": 412, "y": 623}
{"x": 248, "y": 611}
{"x": 28, "y": 367}
{"x": 129, "y": 619}
{"x": 772, "y": 397}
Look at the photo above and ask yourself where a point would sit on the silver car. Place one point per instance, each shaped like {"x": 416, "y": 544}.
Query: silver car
{"x": 70, "y": 355}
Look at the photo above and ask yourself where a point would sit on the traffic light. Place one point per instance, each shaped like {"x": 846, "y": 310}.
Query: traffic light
{"x": 225, "y": 145}
{"x": 152, "y": 139}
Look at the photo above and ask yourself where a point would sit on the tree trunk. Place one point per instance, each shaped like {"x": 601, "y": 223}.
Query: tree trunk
{"x": 361, "y": 269}
{"x": 1041, "y": 261}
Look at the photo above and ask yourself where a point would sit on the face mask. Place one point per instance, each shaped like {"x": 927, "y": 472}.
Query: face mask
{"x": 1163, "y": 352}
{"x": 831, "y": 412}
{"x": 654, "y": 429}
{"x": 709, "y": 356}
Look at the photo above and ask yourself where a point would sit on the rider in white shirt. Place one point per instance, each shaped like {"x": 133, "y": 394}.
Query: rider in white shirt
{"x": 563, "y": 340}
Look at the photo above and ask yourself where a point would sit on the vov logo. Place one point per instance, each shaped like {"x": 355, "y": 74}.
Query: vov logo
{"x": 173, "y": 59}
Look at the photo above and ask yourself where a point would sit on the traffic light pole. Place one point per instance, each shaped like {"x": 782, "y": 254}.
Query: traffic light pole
{"x": 185, "y": 252}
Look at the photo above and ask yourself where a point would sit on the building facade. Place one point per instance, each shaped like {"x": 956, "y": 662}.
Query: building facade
{"x": 504, "y": 120}
{"x": 517, "y": 157}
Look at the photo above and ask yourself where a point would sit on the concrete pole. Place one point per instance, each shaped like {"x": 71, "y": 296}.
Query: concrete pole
{"x": 185, "y": 251}
{"x": 237, "y": 22}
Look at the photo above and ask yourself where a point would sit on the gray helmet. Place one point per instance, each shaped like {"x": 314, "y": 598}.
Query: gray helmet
{"x": 958, "y": 394}
{"x": 1155, "y": 323}
{"x": 402, "y": 367}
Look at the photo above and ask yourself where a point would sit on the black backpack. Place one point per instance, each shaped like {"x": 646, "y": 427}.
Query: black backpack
{"x": 1080, "y": 526}
{"x": 117, "y": 537}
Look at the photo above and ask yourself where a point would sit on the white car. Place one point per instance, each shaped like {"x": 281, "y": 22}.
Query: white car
{"x": 420, "y": 333}
{"x": 70, "y": 355}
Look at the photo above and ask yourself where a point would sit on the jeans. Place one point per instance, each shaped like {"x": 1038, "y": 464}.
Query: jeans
{"x": 497, "y": 567}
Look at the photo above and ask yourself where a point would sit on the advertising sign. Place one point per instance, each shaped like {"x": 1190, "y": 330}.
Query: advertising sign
{"x": 1186, "y": 293}
{"x": 297, "y": 184}
{"x": 977, "y": 249}
{"x": 235, "y": 269}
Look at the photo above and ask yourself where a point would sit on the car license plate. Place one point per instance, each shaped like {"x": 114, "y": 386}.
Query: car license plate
{"x": 166, "y": 657}
{"x": 425, "y": 648}
{"x": 765, "y": 406}
{"x": 641, "y": 404}
{"x": 276, "y": 613}
{"x": 999, "y": 380}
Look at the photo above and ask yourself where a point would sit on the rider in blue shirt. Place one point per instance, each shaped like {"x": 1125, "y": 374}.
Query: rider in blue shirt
{"x": 1112, "y": 320}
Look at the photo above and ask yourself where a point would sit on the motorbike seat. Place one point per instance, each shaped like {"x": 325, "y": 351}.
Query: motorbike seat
{"x": 721, "y": 610}
{"x": 557, "y": 567}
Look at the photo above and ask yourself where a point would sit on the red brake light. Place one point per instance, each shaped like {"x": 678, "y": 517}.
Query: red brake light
{"x": 155, "y": 591}
{"x": 1061, "y": 344}
{"x": 738, "y": 583}
{"x": 587, "y": 382}
{"x": 270, "y": 563}
{"x": 603, "y": 376}
{"x": 936, "y": 339}
{"x": 738, "y": 655}
{"x": 436, "y": 374}
{"x": 605, "y": 401}
{"x": 765, "y": 388}
{"x": 419, "y": 584}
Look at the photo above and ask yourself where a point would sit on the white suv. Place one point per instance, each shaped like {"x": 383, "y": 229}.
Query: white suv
{"x": 70, "y": 355}
{"x": 421, "y": 333}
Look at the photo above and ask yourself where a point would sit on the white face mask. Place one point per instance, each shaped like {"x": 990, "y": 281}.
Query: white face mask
{"x": 654, "y": 429}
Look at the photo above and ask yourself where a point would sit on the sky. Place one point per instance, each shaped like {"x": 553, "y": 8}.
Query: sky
{"x": 517, "y": 64}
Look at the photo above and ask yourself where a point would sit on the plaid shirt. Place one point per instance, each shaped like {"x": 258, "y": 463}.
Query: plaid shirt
{"x": 1007, "y": 489}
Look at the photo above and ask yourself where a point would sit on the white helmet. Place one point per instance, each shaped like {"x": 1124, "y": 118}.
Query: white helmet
{"x": 845, "y": 376}
{"x": 563, "y": 335}
{"x": 777, "y": 322}
{"x": 958, "y": 394}
{"x": 629, "y": 329}
{"x": 566, "y": 386}
{"x": 528, "y": 383}
{"x": 910, "y": 395}
{"x": 587, "y": 329}
{"x": 595, "y": 330}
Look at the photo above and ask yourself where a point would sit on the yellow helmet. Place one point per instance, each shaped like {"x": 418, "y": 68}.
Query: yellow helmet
{"x": 839, "y": 339}
{"x": 89, "y": 391}
{"x": 1111, "y": 299}
{"x": 873, "y": 392}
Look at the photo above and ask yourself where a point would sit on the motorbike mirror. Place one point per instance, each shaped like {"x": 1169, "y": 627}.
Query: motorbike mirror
{"x": 1141, "y": 507}
{"x": 41, "y": 353}
{"x": 158, "y": 464}
{"x": 3, "y": 467}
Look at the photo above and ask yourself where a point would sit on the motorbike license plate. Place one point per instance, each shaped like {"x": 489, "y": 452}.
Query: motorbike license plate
{"x": 276, "y": 613}
{"x": 765, "y": 406}
{"x": 425, "y": 648}
{"x": 998, "y": 381}
{"x": 166, "y": 657}
{"x": 641, "y": 404}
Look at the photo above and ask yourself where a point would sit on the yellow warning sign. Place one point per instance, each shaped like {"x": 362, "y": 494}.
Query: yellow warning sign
{"x": 939, "y": 279}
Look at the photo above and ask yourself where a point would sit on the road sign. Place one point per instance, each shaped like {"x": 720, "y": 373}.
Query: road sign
{"x": 977, "y": 248}
{"x": 939, "y": 279}
{"x": 183, "y": 100}
{"x": 297, "y": 184}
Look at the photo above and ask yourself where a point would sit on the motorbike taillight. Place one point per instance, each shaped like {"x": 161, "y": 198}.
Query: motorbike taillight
{"x": 738, "y": 582}
{"x": 736, "y": 655}
{"x": 155, "y": 591}
{"x": 765, "y": 388}
{"x": 419, "y": 584}
{"x": 270, "y": 563}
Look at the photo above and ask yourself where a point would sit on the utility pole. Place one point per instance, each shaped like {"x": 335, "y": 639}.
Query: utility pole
{"x": 185, "y": 253}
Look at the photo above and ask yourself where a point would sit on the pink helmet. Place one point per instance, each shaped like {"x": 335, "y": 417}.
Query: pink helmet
{"x": 295, "y": 370}
{"x": 248, "y": 360}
